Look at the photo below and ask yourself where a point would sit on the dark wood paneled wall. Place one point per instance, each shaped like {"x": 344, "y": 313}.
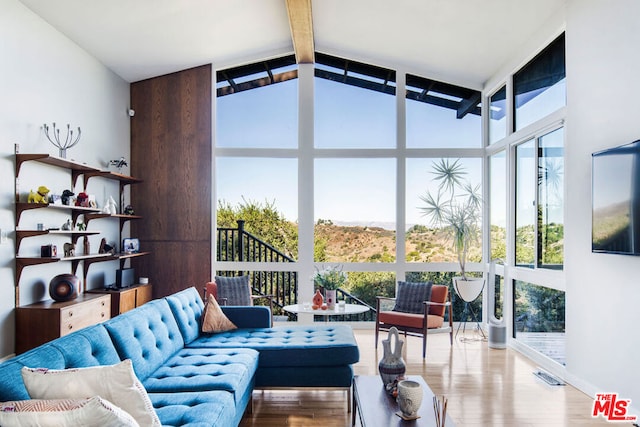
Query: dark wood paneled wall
{"x": 171, "y": 152}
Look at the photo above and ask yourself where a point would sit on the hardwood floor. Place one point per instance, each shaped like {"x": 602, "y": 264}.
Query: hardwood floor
{"x": 485, "y": 387}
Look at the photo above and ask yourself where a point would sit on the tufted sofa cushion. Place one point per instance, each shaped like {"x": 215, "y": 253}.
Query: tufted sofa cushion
{"x": 291, "y": 346}
{"x": 203, "y": 409}
{"x": 148, "y": 336}
{"x": 91, "y": 346}
{"x": 187, "y": 308}
{"x": 194, "y": 370}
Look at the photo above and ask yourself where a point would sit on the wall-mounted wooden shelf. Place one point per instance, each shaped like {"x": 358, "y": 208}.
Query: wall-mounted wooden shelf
{"x": 22, "y": 234}
{"x": 77, "y": 169}
{"x": 76, "y": 211}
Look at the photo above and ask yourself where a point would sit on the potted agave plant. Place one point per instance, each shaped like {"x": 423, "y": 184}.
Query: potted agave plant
{"x": 330, "y": 279}
{"x": 456, "y": 207}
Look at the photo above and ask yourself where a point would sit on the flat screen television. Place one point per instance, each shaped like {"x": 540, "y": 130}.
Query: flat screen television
{"x": 616, "y": 200}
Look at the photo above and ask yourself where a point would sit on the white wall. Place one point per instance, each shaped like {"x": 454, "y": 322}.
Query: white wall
{"x": 46, "y": 78}
{"x": 603, "y": 291}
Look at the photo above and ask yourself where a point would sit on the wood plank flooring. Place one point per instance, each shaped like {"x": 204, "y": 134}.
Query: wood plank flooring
{"x": 485, "y": 388}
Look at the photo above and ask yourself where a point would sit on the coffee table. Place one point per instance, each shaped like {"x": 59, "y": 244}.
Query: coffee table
{"x": 377, "y": 408}
{"x": 348, "y": 309}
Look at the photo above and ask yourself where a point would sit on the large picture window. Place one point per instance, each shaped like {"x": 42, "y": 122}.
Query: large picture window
{"x": 336, "y": 202}
{"x": 498, "y": 115}
{"x": 354, "y": 105}
{"x": 440, "y": 115}
{"x": 257, "y": 108}
{"x": 498, "y": 206}
{"x": 424, "y": 241}
{"x": 355, "y": 210}
{"x": 539, "y": 87}
{"x": 539, "y": 319}
{"x": 540, "y": 201}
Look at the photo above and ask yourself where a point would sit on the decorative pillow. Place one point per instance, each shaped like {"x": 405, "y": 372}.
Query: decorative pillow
{"x": 91, "y": 412}
{"x": 213, "y": 319}
{"x": 234, "y": 290}
{"x": 410, "y": 296}
{"x": 116, "y": 383}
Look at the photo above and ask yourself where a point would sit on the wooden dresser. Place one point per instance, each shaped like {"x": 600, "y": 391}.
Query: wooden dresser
{"x": 44, "y": 321}
{"x": 125, "y": 299}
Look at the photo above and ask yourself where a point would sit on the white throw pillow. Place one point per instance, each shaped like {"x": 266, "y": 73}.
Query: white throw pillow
{"x": 92, "y": 412}
{"x": 116, "y": 383}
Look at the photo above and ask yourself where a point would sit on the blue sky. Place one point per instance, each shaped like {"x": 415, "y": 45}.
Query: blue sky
{"x": 350, "y": 190}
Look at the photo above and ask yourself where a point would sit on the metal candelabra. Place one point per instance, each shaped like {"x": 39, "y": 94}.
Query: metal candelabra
{"x": 62, "y": 145}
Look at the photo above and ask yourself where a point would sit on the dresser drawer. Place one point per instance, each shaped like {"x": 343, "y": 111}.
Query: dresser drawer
{"x": 47, "y": 320}
{"x": 85, "y": 314}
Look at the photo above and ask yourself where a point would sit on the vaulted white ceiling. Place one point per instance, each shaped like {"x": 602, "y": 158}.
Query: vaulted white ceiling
{"x": 465, "y": 40}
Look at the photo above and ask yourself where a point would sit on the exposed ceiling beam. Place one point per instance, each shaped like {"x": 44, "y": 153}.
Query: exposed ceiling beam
{"x": 301, "y": 24}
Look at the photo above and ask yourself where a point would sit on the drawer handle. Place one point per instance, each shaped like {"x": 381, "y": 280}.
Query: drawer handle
{"x": 103, "y": 303}
{"x": 102, "y": 314}
{"x": 70, "y": 313}
{"x": 70, "y": 327}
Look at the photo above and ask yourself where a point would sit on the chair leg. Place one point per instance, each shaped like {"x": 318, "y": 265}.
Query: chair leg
{"x": 424, "y": 345}
{"x": 377, "y": 330}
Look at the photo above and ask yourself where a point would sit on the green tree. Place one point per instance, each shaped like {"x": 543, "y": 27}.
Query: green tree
{"x": 264, "y": 221}
{"x": 368, "y": 285}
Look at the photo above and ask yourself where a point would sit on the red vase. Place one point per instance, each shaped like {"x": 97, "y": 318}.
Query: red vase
{"x": 318, "y": 299}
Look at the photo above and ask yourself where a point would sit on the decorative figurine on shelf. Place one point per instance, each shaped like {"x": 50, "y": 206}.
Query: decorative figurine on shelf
{"x": 66, "y": 197}
{"x": 81, "y": 226}
{"x": 40, "y": 196}
{"x": 82, "y": 200}
{"x": 86, "y": 245}
{"x": 67, "y": 226}
{"x": 69, "y": 249}
{"x": 68, "y": 142}
{"x": 110, "y": 207}
{"x": 106, "y": 248}
{"x": 119, "y": 163}
{"x": 64, "y": 287}
{"x": 128, "y": 210}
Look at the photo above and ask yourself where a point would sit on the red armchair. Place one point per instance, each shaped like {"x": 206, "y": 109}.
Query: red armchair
{"x": 431, "y": 320}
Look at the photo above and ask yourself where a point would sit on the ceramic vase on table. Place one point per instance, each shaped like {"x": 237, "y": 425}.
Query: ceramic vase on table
{"x": 318, "y": 299}
{"x": 391, "y": 365}
{"x": 330, "y": 298}
{"x": 409, "y": 398}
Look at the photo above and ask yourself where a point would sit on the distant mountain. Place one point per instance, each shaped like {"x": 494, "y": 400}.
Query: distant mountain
{"x": 346, "y": 242}
{"x": 387, "y": 225}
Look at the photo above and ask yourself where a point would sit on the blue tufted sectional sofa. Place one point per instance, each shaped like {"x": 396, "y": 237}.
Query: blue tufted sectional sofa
{"x": 196, "y": 379}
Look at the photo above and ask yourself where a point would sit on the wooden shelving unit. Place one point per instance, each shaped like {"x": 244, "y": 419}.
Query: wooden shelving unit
{"x": 89, "y": 214}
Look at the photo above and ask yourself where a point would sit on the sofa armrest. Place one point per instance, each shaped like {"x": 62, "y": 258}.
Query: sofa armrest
{"x": 256, "y": 316}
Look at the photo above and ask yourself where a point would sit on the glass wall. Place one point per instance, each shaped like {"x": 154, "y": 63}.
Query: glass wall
{"x": 498, "y": 206}
{"x": 357, "y": 158}
{"x": 441, "y": 115}
{"x": 498, "y": 115}
{"x": 539, "y": 87}
{"x": 540, "y": 201}
{"x": 539, "y": 314}
{"x": 426, "y": 241}
{"x": 526, "y": 176}
{"x": 255, "y": 110}
{"x": 355, "y": 210}
{"x": 551, "y": 200}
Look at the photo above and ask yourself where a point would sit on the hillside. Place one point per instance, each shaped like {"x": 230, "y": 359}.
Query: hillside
{"x": 376, "y": 244}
